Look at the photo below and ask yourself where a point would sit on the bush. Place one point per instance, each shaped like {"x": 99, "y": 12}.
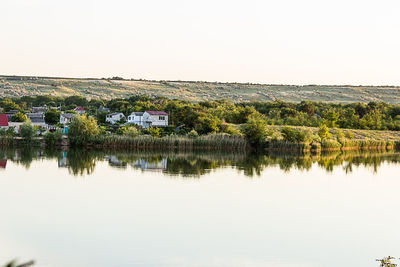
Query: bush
{"x": 52, "y": 139}
{"x": 82, "y": 129}
{"x": 323, "y": 132}
{"x": 349, "y": 135}
{"x": 192, "y": 134}
{"x": 255, "y": 130}
{"x": 294, "y": 135}
{"x": 27, "y": 131}
{"x": 131, "y": 132}
{"x": 154, "y": 131}
{"x": 19, "y": 117}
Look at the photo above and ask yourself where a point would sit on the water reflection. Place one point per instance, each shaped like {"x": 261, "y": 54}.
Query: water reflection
{"x": 80, "y": 162}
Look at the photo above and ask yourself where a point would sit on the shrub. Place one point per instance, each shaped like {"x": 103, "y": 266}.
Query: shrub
{"x": 19, "y": 117}
{"x": 27, "y": 131}
{"x": 131, "y": 132}
{"x": 323, "y": 132}
{"x": 192, "y": 134}
{"x": 154, "y": 131}
{"x": 294, "y": 135}
{"x": 82, "y": 129}
{"x": 289, "y": 134}
{"x": 52, "y": 139}
{"x": 255, "y": 130}
{"x": 349, "y": 135}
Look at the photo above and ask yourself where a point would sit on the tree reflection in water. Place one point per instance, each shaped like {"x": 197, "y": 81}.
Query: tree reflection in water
{"x": 196, "y": 164}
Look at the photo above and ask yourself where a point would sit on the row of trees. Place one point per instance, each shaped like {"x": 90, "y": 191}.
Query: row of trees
{"x": 217, "y": 116}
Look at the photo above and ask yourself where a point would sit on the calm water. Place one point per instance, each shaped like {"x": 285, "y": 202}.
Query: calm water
{"x": 83, "y": 208}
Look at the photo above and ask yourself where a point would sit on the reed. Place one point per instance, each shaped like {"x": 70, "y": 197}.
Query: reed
{"x": 207, "y": 142}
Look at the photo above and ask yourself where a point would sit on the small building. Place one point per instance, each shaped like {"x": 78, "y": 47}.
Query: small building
{"x": 155, "y": 119}
{"x": 66, "y": 118}
{"x": 103, "y": 109}
{"x": 80, "y": 110}
{"x": 136, "y": 118}
{"x": 39, "y": 109}
{"x": 37, "y": 119}
{"x": 3, "y": 121}
{"x": 114, "y": 117}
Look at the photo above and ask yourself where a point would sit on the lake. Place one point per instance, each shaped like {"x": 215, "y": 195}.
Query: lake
{"x": 107, "y": 208}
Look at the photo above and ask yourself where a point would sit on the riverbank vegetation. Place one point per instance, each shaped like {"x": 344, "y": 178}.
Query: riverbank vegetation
{"x": 221, "y": 124}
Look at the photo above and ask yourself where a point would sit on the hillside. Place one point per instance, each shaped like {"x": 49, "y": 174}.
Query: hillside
{"x": 14, "y": 86}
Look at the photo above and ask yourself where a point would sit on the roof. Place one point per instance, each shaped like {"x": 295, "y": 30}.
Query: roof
{"x": 137, "y": 113}
{"x": 3, "y": 163}
{"x": 79, "y": 108}
{"x": 68, "y": 115}
{"x": 115, "y": 113}
{"x": 37, "y": 120}
{"x": 3, "y": 120}
{"x": 152, "y": 112}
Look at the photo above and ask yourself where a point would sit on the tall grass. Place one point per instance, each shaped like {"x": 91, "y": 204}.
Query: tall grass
{"x": 208, "y": 142}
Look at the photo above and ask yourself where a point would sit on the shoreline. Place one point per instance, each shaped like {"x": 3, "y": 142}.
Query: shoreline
{"x": 206, "y": 143}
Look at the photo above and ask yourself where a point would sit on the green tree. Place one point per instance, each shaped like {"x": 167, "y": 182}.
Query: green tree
{"x": 323, "y": 132}
{"x": 52, "y": 117}
{"x": 27, "y": 131}
{"x": 19, "y": 117}
{"x": 255, "y": 130}
{"x": 82, "y": 129}
{"x": 331, "y": 116}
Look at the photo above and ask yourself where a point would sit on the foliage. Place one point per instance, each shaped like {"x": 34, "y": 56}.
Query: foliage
{"x": 27, "y": 131}
{"x": 19, "y": 117}
{"x": 52, "y": 138}
{"x": 131, "y": 131}
{"x": 82, "y": 129}
{"x": 154, "y": 131}
{"x": 52, "y": 117}
{"x": 255, "y": 130}
{"x": 291, "y": 134}
{"x": 192, "y": 134}
{"x": 323, "y": 132}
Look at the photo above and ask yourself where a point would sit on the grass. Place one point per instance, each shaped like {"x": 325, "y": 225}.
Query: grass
{"x": 12, "y": 86}
{"x": 207, "y": 142}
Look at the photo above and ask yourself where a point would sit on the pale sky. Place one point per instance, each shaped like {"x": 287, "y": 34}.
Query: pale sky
{"x": 269, "y": 41}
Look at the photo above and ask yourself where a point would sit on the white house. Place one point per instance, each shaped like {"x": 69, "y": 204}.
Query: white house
{"x": 136, "y": 118}
{"x": 80, "y": 110}
{"x": 155, "y": 119}
{"x": 114, "y": 117}
{"x": 66, "y": 118}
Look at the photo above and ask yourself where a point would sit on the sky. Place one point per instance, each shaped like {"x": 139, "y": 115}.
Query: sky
{"x": 270, "y": 41}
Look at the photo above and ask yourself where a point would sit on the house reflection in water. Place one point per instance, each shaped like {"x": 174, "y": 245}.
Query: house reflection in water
{"x": 144, "y": 165}
{"x": 3, "y": 163}
{"x": 115, "y": 162}
{"x": 63, "y": 162}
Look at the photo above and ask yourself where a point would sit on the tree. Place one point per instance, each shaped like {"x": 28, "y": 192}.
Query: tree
{"x": 323, "y": 132}
{"x": 19, "y": 117}
{"x": 52, "y": 117}
{"x": 82, "y": 129}
{"x": 8, "y": 105}
{"x": 330, "y": 117}
{"x": 255, "y": 130}
{"x": 27, "y": 131}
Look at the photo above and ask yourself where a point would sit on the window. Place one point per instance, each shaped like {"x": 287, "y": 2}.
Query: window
{"x": 161, "y": 118}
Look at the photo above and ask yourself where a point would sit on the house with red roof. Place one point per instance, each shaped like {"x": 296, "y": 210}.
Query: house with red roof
{"x": 150, "y": 118}
{"x": 80, "y": 110}
{"x": 3, "y": 121}
{"x": 154, "y": 118}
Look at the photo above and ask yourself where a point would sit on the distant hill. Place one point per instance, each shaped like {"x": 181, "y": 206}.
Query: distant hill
{"x": 13, "y": 86}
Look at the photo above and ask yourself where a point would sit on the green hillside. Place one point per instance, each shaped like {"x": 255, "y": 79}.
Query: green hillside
{"x": 14, "y": 86}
